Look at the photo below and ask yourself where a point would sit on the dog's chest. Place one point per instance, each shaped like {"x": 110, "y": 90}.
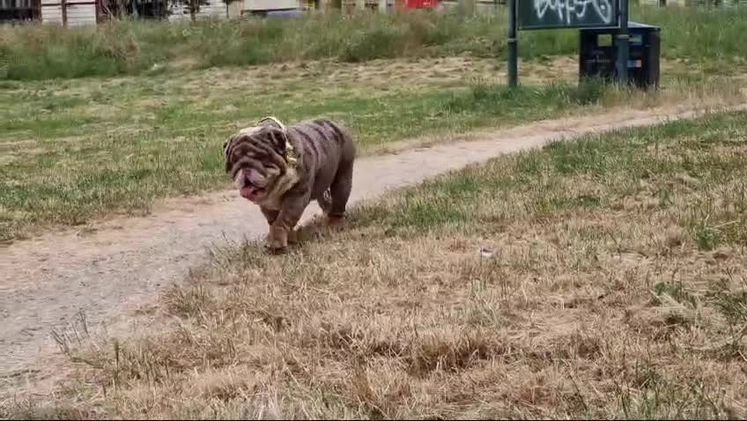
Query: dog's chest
{"x": 274, "y": 199}
{"x": 272, "y": 203}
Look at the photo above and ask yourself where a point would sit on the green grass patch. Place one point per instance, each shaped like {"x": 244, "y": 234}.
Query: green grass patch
{"x": 699, "y": 163}
{"x": 77, "y": 153}
{"x": 81, "y": 149}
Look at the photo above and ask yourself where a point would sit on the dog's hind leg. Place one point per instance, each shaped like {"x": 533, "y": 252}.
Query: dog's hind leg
{"x": 325, "y": 202}
{"x": 340, "y": 192}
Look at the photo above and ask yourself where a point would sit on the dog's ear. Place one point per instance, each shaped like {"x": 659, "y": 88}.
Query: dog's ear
{"x": 275, "y": 131}
{"x": 276, "y": 137}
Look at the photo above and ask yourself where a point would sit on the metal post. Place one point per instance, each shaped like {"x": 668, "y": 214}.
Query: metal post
{"x": 513, "y": 54}
{"x": 623, "y": 47}
{"x": 63, "y": 4}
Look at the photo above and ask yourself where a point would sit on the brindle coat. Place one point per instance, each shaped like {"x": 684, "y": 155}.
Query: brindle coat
{"x": 282, "y": 169}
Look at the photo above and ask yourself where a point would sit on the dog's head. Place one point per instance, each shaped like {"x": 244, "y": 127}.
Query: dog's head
{"x": 257, "y": 157}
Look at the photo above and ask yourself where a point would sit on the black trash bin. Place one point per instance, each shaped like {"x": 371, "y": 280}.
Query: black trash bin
{"x": 598, "y": 54}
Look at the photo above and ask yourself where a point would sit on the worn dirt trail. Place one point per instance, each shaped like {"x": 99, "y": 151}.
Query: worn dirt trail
{"x": 123, "y": 262}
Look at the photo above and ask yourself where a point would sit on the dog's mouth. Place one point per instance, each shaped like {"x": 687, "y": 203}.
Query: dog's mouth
{"x": 251, "y": 192}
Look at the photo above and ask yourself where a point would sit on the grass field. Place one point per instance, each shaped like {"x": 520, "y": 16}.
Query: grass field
{"x": 77, "y": 150}
{"x": 151, "y": 124}
{"x": 612, "y": 285}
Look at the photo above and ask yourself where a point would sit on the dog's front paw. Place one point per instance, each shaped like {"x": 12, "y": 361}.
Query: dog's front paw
{"x": 293, "y": 237}
{"x": 335, "y": 223}
{"x": 277, "y": 240}
{"x": 274, "y": 250}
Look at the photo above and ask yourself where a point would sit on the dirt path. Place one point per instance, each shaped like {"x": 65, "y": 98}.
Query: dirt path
{"x": 123, "y": 262}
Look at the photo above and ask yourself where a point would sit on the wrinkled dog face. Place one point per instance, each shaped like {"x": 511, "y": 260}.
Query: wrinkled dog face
{"x": 255, "y": 160}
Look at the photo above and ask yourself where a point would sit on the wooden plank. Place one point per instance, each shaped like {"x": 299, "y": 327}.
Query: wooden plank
{"x": 51, "y": 13}
{"x": 80, "y": 14}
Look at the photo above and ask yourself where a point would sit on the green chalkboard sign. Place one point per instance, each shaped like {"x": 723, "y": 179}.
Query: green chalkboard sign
{"x": 557, "y": 14}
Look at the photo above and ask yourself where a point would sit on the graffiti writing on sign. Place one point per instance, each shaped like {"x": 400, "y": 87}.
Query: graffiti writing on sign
{"x": 570, "y": 11}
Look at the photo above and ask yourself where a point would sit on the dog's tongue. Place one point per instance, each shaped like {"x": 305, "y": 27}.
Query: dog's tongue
{"x": 248, "y": 192}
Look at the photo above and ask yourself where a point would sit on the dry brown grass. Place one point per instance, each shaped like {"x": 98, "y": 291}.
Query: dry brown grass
{"x": 611, "y": 284}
